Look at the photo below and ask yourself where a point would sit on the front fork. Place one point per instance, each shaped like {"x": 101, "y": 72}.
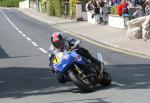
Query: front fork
{"x": 100, "y": 58}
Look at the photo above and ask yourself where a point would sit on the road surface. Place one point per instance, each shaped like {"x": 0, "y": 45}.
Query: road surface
{"x": 25, "y": 78}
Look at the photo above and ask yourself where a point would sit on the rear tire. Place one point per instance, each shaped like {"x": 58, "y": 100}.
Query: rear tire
{"x": 86, "y": 86}
{"x": 106, "y": 79}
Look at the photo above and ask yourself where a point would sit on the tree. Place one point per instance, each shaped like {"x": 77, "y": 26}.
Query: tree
{"x": 55, "y": 7}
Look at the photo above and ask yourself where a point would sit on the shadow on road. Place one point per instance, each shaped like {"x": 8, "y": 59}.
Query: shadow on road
{"x": 136, "y": 76}
{"x": 96, "y": 100}
{"x": 19, "y": 82}
{"x": 3, "y": 54}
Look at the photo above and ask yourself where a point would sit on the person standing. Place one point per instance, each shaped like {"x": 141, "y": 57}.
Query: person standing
{"x": 147, "y": 7}
{"x": 90, "y": 11}
{"x": 105, "y": 14}
{"x": 96, "y": 10}
{"x": 73, "y": 8}
{"x": 101, "y": 5}
{"x": 125, "y": 7}
{"x": 89, "y": 7}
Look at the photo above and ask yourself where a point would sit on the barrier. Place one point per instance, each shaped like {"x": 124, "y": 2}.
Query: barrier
{"x": 117, "y": 21}
{"x": 24, "y": 4}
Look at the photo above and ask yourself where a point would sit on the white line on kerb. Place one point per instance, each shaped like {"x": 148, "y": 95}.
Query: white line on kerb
{"x": 34, "y": 43}
{"x": 28, "y": 39}
{"x": 44, "y": 51}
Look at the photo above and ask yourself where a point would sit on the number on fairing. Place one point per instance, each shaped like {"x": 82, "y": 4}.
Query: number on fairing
{"x": 78, "y": 58}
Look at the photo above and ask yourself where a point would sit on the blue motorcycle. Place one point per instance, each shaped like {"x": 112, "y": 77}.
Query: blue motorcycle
{"x": 82, "y": 72}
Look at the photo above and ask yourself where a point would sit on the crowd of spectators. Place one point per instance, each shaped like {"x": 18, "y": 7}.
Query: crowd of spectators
{"x": 131, "y": 8}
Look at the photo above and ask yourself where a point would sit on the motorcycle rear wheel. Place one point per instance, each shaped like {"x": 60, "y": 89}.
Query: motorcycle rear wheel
{"x": 106, "y": 79}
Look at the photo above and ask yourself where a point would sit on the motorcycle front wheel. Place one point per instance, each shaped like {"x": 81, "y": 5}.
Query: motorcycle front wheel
{"x": 84, "y": 84}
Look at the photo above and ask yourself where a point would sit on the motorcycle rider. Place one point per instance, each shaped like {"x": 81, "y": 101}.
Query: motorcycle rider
{"x": 59, "y": 44}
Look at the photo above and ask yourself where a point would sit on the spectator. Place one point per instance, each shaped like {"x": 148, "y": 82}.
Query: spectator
{"x": 96, "y": 6}
{"x": 73, "y": 8}
{"x": 101, "y": 5}
{"x": 135, "y": 2}
{"x": 109, "y": 2}
{"x": 89, "y": 6}
{"x": 124, "y": 7}
{"x": 142, "y": 4}
{"x": 118, "y": 1}
{"x": 113, "y": 2}
{"x": 96, "y": 10}
{"x": 147, "y": 7}
{"x": 138, "y": 12}
{"x": 120, "y": 9}
{"x": 131, "y": 9}
{"x": 105, "y": 14}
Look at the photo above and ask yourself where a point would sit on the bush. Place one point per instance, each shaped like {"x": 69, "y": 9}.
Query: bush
{"x": 9, "y": 3}
{"x": 50, "y": 10}
{"x": 55, "y": 7}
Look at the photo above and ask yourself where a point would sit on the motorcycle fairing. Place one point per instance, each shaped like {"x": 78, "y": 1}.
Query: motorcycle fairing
{"x": 66, "y": 60}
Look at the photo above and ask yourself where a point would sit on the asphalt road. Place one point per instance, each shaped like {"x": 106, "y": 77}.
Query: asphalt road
{"x": 24, "y": 75}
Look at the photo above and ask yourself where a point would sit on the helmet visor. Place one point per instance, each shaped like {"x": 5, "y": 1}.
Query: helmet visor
{"x": 58, "y": 44}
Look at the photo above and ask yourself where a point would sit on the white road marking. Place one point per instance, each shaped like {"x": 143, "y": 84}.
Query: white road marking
{"x": 34, "y": 43}
{"x": 28, "y": 39}
{"x": 106, "y": 63}
{"x": 5, "y": 16}
{"x": 2, "y": 81}
{"x": 20, "y": 32}
{"x": 17, "y": 28}
{"x": 44, "y": 51}
{"x": 119, "y": 84}
{"x": 24, "y": 35}
{"x": 13, "y": 25}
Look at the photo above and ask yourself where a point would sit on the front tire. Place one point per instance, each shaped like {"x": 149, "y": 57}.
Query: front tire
{"x": 86, "y": 86}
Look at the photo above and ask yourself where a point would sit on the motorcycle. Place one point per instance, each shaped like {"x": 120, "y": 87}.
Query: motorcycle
{"x": 82, "y": 72}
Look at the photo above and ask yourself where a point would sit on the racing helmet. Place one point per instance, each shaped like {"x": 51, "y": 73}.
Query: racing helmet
{"x": 58, "y": 40}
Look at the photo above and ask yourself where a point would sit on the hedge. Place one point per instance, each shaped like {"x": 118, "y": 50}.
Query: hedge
{"x": 9, "y": 3}
{"x": 55, "y": 7}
